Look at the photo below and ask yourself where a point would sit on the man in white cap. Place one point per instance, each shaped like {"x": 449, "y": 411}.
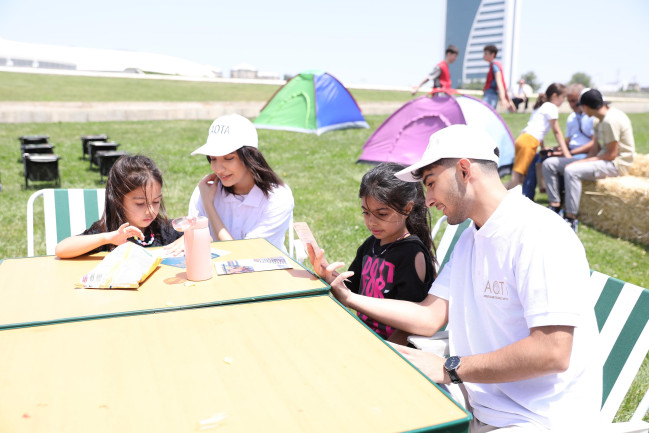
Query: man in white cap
{"x": 513, "y": 294}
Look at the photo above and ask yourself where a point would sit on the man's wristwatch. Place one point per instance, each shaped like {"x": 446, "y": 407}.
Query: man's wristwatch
{"x": 451, "y": 365}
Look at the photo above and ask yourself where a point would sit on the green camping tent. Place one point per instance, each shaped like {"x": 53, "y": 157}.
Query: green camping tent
{"x": 312, "y": 102}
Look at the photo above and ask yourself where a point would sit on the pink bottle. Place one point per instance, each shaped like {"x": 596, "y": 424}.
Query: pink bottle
{"x": 198, "y": 254}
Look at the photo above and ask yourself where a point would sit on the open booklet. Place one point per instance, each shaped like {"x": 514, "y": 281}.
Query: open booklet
{"x": 125, "y": 267}
{"x": 252, "y": 265}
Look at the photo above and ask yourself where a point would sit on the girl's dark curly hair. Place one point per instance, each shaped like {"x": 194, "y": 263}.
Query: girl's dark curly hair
{"x": 381, "y": 184}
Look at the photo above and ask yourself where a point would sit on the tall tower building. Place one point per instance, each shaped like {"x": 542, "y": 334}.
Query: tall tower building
{"x": 472, "y": 24}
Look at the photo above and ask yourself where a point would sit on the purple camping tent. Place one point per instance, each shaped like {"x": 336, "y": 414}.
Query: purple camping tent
{"x": 403, "y": 137}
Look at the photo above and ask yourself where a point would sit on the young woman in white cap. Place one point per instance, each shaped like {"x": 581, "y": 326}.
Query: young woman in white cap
{"x": 243, "y": 197}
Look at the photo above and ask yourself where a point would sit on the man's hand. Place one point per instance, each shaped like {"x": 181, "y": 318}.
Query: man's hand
{"x": 428, "y": 363}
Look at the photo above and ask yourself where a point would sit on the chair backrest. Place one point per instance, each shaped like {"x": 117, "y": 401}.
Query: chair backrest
{"x": 296, "y": 248}
{"x": 449, "y": 239}
{"x": 622, "y": 312}
{"x": 291, "y": 237}
{"x": 67, "y": 212}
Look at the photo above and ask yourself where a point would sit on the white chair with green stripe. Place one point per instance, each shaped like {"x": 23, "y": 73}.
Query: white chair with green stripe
{"x": 449, "y": 239}
{"x": 438, "y": 343}
{"x": 67, "y": 212}
{"x": 622, "y": 312}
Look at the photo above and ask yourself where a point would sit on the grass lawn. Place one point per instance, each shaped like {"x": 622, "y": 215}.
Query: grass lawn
{"x": 322, "y": 171}
{"x": 37, "y": 87}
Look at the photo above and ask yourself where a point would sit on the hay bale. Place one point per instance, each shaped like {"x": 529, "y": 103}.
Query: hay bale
{"x": 640, "y": 166}
{"x": 618, "y": 206}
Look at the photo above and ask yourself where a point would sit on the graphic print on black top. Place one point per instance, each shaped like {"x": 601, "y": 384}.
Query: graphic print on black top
{"x": 389, "y": 272}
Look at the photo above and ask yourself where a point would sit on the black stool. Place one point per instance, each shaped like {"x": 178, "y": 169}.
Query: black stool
{"x": 39, "y": 143}
{"x": 96, "y": 146}
{"x": 34, "y": 139}
{"x": 85, "y": 139}
{"x": 41, "y": 167}
{"x": 106, "y": 159}
{"x": 37, "y": 148}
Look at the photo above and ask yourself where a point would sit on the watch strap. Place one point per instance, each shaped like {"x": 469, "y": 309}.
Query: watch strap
{"x": 454, "y": 377}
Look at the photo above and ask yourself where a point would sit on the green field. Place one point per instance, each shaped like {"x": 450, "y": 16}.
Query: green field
{"x": 322, "y": 171}
{"x": 48, "y": 88}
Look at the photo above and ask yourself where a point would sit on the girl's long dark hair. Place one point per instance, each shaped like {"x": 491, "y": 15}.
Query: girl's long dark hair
{"x": 129, "y": 173}
{"x": 382, "y": 185}
{"x": 553, "y": 88}
{"x": 265, "y": 178}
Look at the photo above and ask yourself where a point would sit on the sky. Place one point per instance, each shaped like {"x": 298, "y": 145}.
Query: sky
{"x": 377, "y": 42}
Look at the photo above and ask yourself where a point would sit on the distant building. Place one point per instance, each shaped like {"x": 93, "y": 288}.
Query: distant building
{"x": 266, "y": 75}
{"x": 20, "y": 54}
{"x": 243, "y": 70}
{"x": 472, "y": 24}
{"x": 633, "y": 87}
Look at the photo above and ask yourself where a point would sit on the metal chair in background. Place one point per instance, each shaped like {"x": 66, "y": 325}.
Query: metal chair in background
{"x": 34, "y": 144}
{"x": 41, "y": 167}
{"x": 99, "y": 146}
{"x": 34, "y": 139}
{"x": 106, "y": 160}
{"x": 85, "y": 139}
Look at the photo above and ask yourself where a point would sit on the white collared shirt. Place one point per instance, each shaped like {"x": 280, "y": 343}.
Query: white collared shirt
{"x": 251, "y": 216}
{"x": 524, "y": 268}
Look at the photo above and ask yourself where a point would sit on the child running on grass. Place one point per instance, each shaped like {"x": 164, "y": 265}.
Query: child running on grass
{"x": 544, "y": 117}
{"x": 396, "y": 261}
{"x": 133, "y": 211}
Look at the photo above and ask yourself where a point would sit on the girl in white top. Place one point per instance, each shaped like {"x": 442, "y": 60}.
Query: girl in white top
{"x": 544, "y": 117}
{"x": 243, "y": 197}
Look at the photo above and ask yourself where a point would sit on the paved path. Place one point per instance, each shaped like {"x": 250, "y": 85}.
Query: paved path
{"x": 49, "y": 112}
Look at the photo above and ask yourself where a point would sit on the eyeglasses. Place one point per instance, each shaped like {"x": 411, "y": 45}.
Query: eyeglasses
{"x": 574, "y": 101}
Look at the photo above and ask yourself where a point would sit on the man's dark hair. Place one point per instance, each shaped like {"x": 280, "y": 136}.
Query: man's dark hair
{"x": 452, "y": 49}
{"x": 492, "y": 49}
{"x": 592, "y": 98}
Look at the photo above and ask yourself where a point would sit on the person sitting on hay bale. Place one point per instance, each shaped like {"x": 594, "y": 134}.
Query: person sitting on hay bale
{"x": 615, "y": 146}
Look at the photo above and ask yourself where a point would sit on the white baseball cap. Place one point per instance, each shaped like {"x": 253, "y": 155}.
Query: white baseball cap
{"x": 454, "y": 141}
{"x": 227, "y": 134}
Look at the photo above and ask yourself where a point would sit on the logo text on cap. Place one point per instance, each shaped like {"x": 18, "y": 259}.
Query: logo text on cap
{"x": 220, "y": 129}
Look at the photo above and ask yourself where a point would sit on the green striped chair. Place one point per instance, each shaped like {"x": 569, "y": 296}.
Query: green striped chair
{"x": 622, "y": 311}
{"x": 67, "y": 212}
{"x": 449, "y": 239}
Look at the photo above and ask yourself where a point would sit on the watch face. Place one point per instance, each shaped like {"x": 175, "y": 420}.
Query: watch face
{"x": 452, "y": 363}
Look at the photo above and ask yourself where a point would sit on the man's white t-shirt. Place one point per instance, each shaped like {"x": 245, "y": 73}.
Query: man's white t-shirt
{"x": 524, "y": 268}
{"x": 251, "y": 216}
{"x": 539, "y": 123}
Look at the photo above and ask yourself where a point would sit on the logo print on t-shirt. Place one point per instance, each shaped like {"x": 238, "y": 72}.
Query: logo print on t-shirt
{"x": 496, "y": 290}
